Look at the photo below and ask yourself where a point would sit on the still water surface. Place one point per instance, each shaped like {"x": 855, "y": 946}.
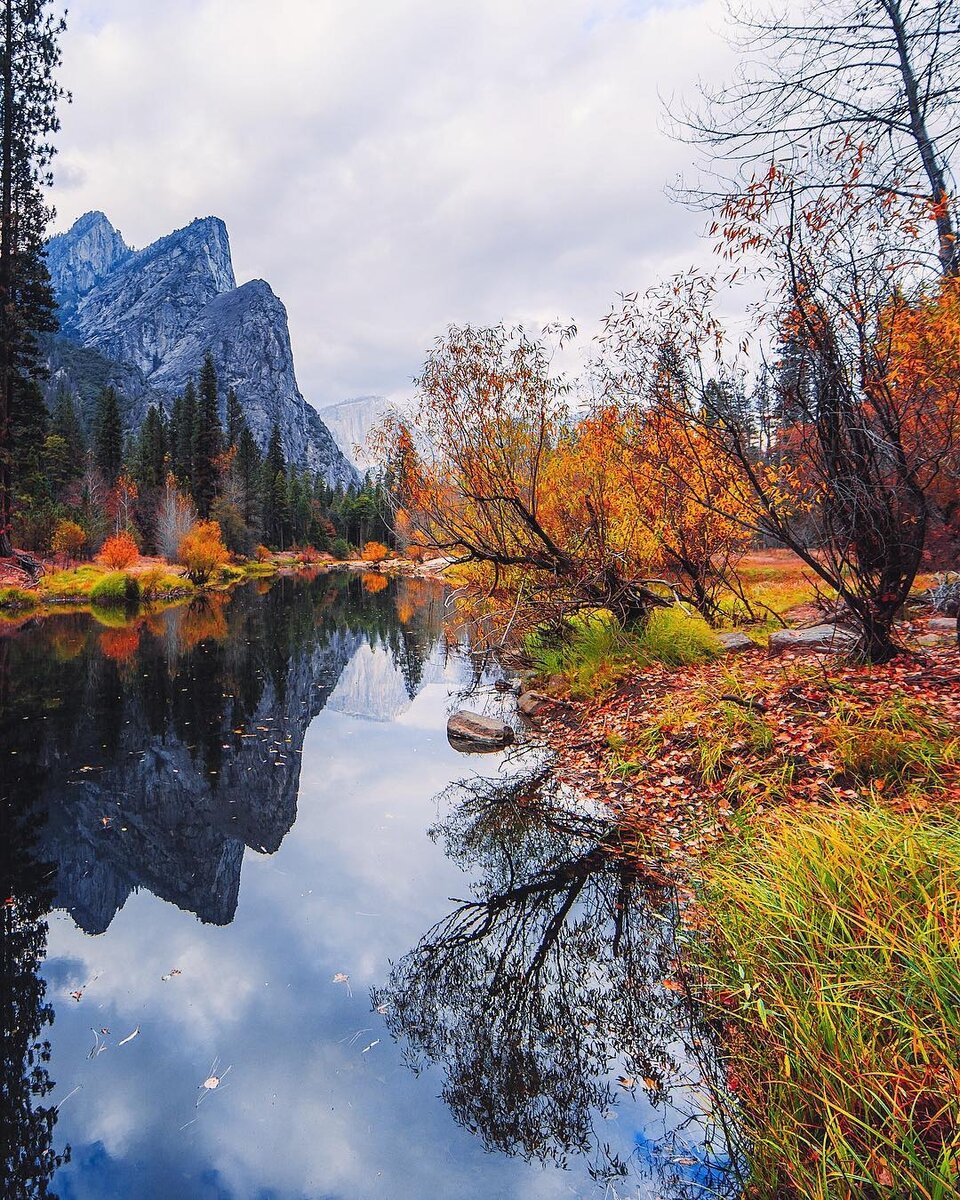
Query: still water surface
{"x": 285, "y": 943}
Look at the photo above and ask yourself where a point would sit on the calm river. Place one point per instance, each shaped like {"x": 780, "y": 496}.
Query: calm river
{"x": 266, "y": 936}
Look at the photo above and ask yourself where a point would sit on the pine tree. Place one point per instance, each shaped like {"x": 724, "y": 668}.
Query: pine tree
{"x": 207, "y": 440}
{"x": 65, "y": 423}
{"x": 150, "y": 456}
{"x": 186, "y": 426}
{"x": 108, "y": 439}
{"x": 273, "y": 491}
{"x": 247, "y": 466}
{"x": 29, "y": 93}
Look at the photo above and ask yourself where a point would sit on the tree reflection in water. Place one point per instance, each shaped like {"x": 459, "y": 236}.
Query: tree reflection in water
{"x": 540, "y": 995}
{"x": 26, "y": 890}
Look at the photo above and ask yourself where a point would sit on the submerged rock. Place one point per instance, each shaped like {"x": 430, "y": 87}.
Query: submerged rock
{"x": 472, "y": 733}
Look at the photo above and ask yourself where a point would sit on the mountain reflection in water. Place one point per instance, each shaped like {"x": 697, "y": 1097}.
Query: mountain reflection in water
{"x": 147, "y": 759}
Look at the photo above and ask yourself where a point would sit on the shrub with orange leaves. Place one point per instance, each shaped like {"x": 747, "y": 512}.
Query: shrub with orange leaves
{"x": 263, "y": 553}
{"x": 119, "y": 551}
{"x": 68, "y": 539}
{"x": 924, "y": 376}
{"x": 202, "y": 550}
{"x": 374, "y": 552}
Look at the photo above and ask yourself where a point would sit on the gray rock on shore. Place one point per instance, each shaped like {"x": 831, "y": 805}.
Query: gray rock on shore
{"x": 532, "y": 705}
{"x": 819, "y": 639}
{"x": 472, "y": 733}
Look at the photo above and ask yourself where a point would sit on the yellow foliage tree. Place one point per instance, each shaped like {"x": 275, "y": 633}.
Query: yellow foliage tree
{"x": 202, "y": 550}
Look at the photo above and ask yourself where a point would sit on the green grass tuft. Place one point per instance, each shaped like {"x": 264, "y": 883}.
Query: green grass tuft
{"x": 114, "y": 589}
{"x": 596, "y": 651}
{"x": 75, "y": 583}
{"x": 18, "y": 600}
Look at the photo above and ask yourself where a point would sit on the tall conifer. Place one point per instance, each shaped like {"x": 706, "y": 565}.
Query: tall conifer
{"x": 207, "y": 440}
{"x": 108, "y": 439}
{"x": 29, "y": 56}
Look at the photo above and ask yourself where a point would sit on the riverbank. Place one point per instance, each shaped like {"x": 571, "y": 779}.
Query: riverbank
{"x": 154, "y": 580}
{"x": 808, "y": 810}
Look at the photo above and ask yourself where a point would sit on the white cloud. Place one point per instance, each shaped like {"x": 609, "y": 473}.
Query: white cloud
{"x": 393, "y": 166}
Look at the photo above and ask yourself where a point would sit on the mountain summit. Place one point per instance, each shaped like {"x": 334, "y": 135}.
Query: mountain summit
{"x": 158, "y": 311}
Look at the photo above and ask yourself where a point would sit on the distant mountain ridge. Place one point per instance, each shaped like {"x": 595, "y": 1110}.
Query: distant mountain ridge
{"x": 154, "y": 313}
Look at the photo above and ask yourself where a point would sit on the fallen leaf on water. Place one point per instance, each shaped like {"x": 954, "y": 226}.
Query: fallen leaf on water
{"x": 626, "y": 1081}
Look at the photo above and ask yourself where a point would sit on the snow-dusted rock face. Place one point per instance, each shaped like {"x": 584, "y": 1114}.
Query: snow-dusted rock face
{"x": 350, "y": 422}
{"x": 161, "y": 309}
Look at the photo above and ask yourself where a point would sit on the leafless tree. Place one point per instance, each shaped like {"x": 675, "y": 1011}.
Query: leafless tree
{"x": 885, "y": 74}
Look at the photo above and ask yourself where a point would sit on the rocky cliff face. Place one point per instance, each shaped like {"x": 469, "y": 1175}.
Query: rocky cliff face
{"x": 158, "y": 311}
{"x": 80, "y": 259}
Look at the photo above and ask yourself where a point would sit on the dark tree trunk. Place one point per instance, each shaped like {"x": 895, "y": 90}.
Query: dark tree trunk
{"x": 6, "y": 291}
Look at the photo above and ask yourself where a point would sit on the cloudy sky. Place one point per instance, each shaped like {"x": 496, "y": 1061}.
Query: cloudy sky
{"x": 391, "y": 166}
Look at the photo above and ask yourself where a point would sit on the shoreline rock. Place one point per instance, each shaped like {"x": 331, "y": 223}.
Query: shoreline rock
{"x": 472, "y": 733}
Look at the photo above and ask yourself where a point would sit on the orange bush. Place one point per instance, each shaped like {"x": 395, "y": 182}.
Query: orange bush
{"x": 263, "y": 553}
{"x": 119, "y": 551}
{"x": 374, "y": 552}
{"x": 202, "y": 550}
{"x": 68, "y": 539}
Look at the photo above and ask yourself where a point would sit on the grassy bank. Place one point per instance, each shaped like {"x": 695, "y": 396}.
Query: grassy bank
{"x": 593, "y": 653}
{"x": 92, "y": 584}
{"x": 809, "y": 811}
{"x": 832, "y": 962}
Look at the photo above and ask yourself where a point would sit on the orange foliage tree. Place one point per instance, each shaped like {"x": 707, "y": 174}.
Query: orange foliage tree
{"x": 840, "y": 450}
{"x": 639, "y": 472}
{"x": 489, "y": 473}
{"x": 119, "y": 551}
{"x": 201, "y": 551}
{"x": 374, "y": 552}
{"x": 924, "y": 376}
{"x": 68, "y": 539}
